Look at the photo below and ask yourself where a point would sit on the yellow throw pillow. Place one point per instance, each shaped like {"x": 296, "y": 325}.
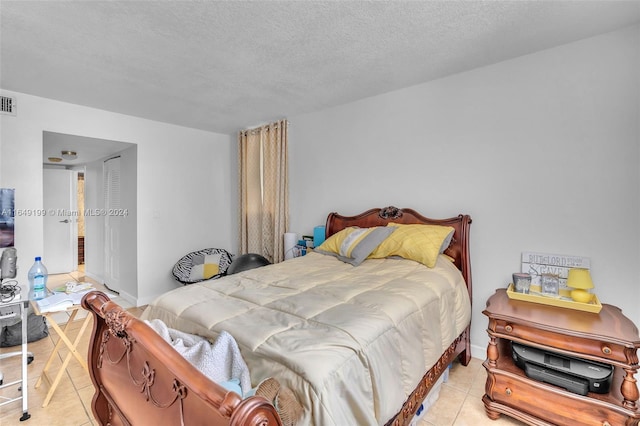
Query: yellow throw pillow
{"x": 333, "y": 243}
{"x": 422, "y": 243}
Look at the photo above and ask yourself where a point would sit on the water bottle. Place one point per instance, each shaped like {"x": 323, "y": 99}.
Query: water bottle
{"x": 38, "y": 280}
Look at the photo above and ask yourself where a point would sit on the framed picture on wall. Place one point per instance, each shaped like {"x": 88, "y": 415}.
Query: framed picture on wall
{"x": 7, "y": 217}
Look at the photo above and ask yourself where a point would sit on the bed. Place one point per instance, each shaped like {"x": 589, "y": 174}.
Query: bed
{"x": 357, "y": 344}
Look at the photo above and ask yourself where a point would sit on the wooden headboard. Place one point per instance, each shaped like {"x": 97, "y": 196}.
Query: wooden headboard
{"x": 458, "y": 249}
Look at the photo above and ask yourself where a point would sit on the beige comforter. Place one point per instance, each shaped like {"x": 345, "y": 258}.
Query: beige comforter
{"x": 352, "y": 342}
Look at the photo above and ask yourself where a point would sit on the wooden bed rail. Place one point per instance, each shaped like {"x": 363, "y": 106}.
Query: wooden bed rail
{"x": 145, "y": 381}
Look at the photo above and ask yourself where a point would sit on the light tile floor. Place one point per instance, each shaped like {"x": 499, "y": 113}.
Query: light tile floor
{"x": 459, "y": 402}
{"x": 71, "y": 402}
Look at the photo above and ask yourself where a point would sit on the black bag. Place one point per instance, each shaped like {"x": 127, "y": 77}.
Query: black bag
{"x": 11, "y": 335}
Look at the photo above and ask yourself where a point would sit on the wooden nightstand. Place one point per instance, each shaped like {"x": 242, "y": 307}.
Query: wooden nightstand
{"x": 608, "y": 337}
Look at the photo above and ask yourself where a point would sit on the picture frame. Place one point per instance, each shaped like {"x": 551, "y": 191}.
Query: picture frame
{"x": 550, "y": 284}
{"x": 7, "y": 217}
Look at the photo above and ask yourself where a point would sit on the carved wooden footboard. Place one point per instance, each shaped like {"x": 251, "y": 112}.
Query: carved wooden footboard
{"x": 140, "y": 379}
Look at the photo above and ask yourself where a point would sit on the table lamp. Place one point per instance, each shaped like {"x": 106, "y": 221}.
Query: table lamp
{"x": 579, "y": 280}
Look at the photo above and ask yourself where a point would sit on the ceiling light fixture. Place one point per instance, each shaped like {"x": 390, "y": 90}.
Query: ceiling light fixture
{"x": 55, "y": 159}
{"x": 69, "y": 155}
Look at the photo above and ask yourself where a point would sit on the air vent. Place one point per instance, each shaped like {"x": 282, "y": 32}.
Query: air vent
{"x": 7, "y": 105}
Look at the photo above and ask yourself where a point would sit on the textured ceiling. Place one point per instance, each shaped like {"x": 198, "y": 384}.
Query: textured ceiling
{"x": 229, "y": 65}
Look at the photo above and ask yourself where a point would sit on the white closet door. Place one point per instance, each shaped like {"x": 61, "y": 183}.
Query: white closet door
{"x": 112, "y": 223}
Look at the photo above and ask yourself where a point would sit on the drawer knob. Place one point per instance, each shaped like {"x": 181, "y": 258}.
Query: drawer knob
{"x": 509, "y": 328}
{"x": 606, "y": 350}
{"x": 508, "y": 392}
{"x": 606, "y": 423}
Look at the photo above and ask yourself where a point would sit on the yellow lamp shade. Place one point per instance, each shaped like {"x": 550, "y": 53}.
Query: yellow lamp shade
{"x": 579, "y": 278}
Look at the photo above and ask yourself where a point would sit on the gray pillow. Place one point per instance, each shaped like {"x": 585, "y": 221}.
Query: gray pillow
{"x": 363, "y": 248}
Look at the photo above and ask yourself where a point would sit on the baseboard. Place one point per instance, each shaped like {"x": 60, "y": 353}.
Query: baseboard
{"x": 129, "y": 298}
{"x": 94, "y": 277}
{"x": 146, "y": 300}
{"x": 479, "y": 352}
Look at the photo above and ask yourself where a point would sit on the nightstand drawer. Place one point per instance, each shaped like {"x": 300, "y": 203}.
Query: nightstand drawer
{"x": 551, "y": 403}
{"x": 589, "y": 348}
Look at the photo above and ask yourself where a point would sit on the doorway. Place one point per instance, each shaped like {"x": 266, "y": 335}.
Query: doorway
{"x": 86, "y": 159}
{"x": 63, "y": 196}
{"x": 80, "y": 248}
{"x": 60, "y": 226}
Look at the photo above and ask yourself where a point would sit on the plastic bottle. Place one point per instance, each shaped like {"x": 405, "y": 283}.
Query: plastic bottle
{"x": 38, "y": 280}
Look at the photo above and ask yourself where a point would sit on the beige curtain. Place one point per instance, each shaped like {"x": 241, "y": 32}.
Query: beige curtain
{"x": 264, "y": 190}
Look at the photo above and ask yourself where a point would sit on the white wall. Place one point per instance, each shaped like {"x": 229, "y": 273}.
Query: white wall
{"x": 183, "y": 182}
{"x": 541, "y": 151}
